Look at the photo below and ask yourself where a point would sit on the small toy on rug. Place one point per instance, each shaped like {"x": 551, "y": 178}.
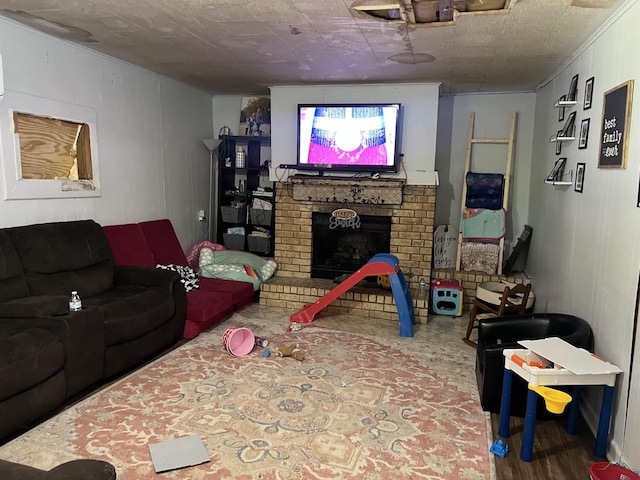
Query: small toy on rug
{"x": 499, "y": 448}
{"x": 266, "y": 353}
{"x": 292, "y": 350}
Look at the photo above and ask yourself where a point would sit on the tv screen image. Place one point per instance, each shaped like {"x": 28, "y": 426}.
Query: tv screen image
{"x": 356, "y": 137}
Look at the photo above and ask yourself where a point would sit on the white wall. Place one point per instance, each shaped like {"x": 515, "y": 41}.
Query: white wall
{"x": 585, "y": 254}
{"x": 149, "y": 129}
{"x": 420, "y": 115}
{"x": 492, "y": 120}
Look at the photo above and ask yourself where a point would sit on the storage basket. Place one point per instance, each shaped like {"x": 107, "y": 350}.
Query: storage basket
{"x": 258, "y": 243}
{"x": 260, "y": 216}
{"x": 233, "y": 214}
{"x": 233, "y": 241}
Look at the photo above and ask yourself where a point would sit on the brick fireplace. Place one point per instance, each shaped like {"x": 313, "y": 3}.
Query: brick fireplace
{"x": 411, "y": 209}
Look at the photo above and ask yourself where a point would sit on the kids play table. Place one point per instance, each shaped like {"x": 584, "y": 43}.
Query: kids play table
{"x": 571, "y": 366}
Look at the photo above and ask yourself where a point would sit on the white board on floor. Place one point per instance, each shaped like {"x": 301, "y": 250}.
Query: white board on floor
{"x": 178, "y": 453}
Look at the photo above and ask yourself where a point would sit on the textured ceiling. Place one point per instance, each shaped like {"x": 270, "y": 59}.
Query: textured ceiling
{"x": 243, "y": 47}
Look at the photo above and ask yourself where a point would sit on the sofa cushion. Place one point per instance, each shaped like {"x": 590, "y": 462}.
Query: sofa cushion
{"x": 163, "y": 242}
{"x": 132, "y": 311}
{"x": 242, "y": 293}
{"x": 208, "y": 307}
{"x": 129, "y": 245}
{"x": 12, "y": 281}
{"x": 64, "y": 256}
{"x": 28, "y": 358}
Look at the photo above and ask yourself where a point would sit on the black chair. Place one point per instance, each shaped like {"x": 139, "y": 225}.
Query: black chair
{"x": 497, "y": 334}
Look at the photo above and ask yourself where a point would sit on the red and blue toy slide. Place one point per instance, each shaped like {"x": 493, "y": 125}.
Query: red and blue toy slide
{"x": 380, "y": 264}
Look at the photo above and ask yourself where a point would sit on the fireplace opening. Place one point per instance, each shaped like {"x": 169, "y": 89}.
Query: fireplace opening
{"x": 339, "y": 250}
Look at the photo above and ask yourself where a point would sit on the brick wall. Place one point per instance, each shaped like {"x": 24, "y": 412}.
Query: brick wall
{"x": 411, "y": 241}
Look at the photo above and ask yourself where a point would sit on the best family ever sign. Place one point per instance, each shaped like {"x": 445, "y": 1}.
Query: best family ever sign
{"x": 616, "y": 121}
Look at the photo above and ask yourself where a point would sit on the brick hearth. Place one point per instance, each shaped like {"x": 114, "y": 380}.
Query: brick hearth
{"x": 411, "y": 209}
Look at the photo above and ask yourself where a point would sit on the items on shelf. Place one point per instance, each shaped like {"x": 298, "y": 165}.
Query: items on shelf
{"x": 261, "y": 204}
{"x": 263, "y": 192}
{"x": 259, "y": 240}
{"x": 245, "y": 194}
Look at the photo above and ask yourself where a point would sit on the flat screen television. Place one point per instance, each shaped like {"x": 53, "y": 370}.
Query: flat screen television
{"x": 349, "y": 137}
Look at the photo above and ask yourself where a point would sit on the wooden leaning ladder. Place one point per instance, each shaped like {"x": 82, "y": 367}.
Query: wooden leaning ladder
{"x": 507, "y": 177}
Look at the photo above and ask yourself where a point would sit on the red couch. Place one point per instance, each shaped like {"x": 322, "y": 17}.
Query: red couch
{"x": 148, "y": 244}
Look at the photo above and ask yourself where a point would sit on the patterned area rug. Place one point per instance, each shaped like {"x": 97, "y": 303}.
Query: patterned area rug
{"x": 357, "y": 407}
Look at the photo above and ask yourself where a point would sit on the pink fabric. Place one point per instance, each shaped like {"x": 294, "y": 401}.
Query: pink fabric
{"x": 193, "y": 255}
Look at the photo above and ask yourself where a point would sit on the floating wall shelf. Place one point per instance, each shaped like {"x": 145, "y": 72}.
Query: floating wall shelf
{"x": 558, "y": 138}
{"x": 562, "y": 183}
{"x": 549, "y": 182}
{"x": 564, "y": 103}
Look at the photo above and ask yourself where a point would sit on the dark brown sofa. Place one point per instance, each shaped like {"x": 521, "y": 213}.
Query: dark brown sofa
{"x": 129, "y": 314}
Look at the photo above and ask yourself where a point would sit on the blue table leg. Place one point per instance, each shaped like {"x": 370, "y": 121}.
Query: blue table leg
{"x": 505, "y": 403}
{"x": 602, "y": 436}
{"x": 574, "y": 411}
{"x": 526, "y": 452}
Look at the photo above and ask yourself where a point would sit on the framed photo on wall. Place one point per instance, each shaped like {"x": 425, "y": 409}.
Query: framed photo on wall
{"x": 573, "y": 89}
{"x": 579, "y": 177}
{"x": 255, "y": 116}
{"x": 569, "y": 126}
{"x": 561, "y": 109}
{"x": 588, "y": 93}
{"x": 584, "y": 133}
{"x": 555, "y": 175}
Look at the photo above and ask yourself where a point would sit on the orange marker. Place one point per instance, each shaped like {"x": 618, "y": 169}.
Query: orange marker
{"x": 517, "y": 360}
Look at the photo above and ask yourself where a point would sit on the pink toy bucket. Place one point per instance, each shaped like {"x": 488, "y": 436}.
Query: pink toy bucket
{"x": 238, "y": 341}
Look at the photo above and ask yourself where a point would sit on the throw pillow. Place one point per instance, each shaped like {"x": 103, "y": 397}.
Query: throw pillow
{"x": 236, "y": 265}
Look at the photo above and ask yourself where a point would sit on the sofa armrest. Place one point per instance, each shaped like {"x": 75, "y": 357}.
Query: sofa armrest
{"x": 36, "y": 306}
{"x": 157, "y": 277}
{"x": 147, "y": 277}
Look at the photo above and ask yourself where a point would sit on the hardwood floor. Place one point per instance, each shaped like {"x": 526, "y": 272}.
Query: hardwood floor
{"x": 556, "y": 454}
